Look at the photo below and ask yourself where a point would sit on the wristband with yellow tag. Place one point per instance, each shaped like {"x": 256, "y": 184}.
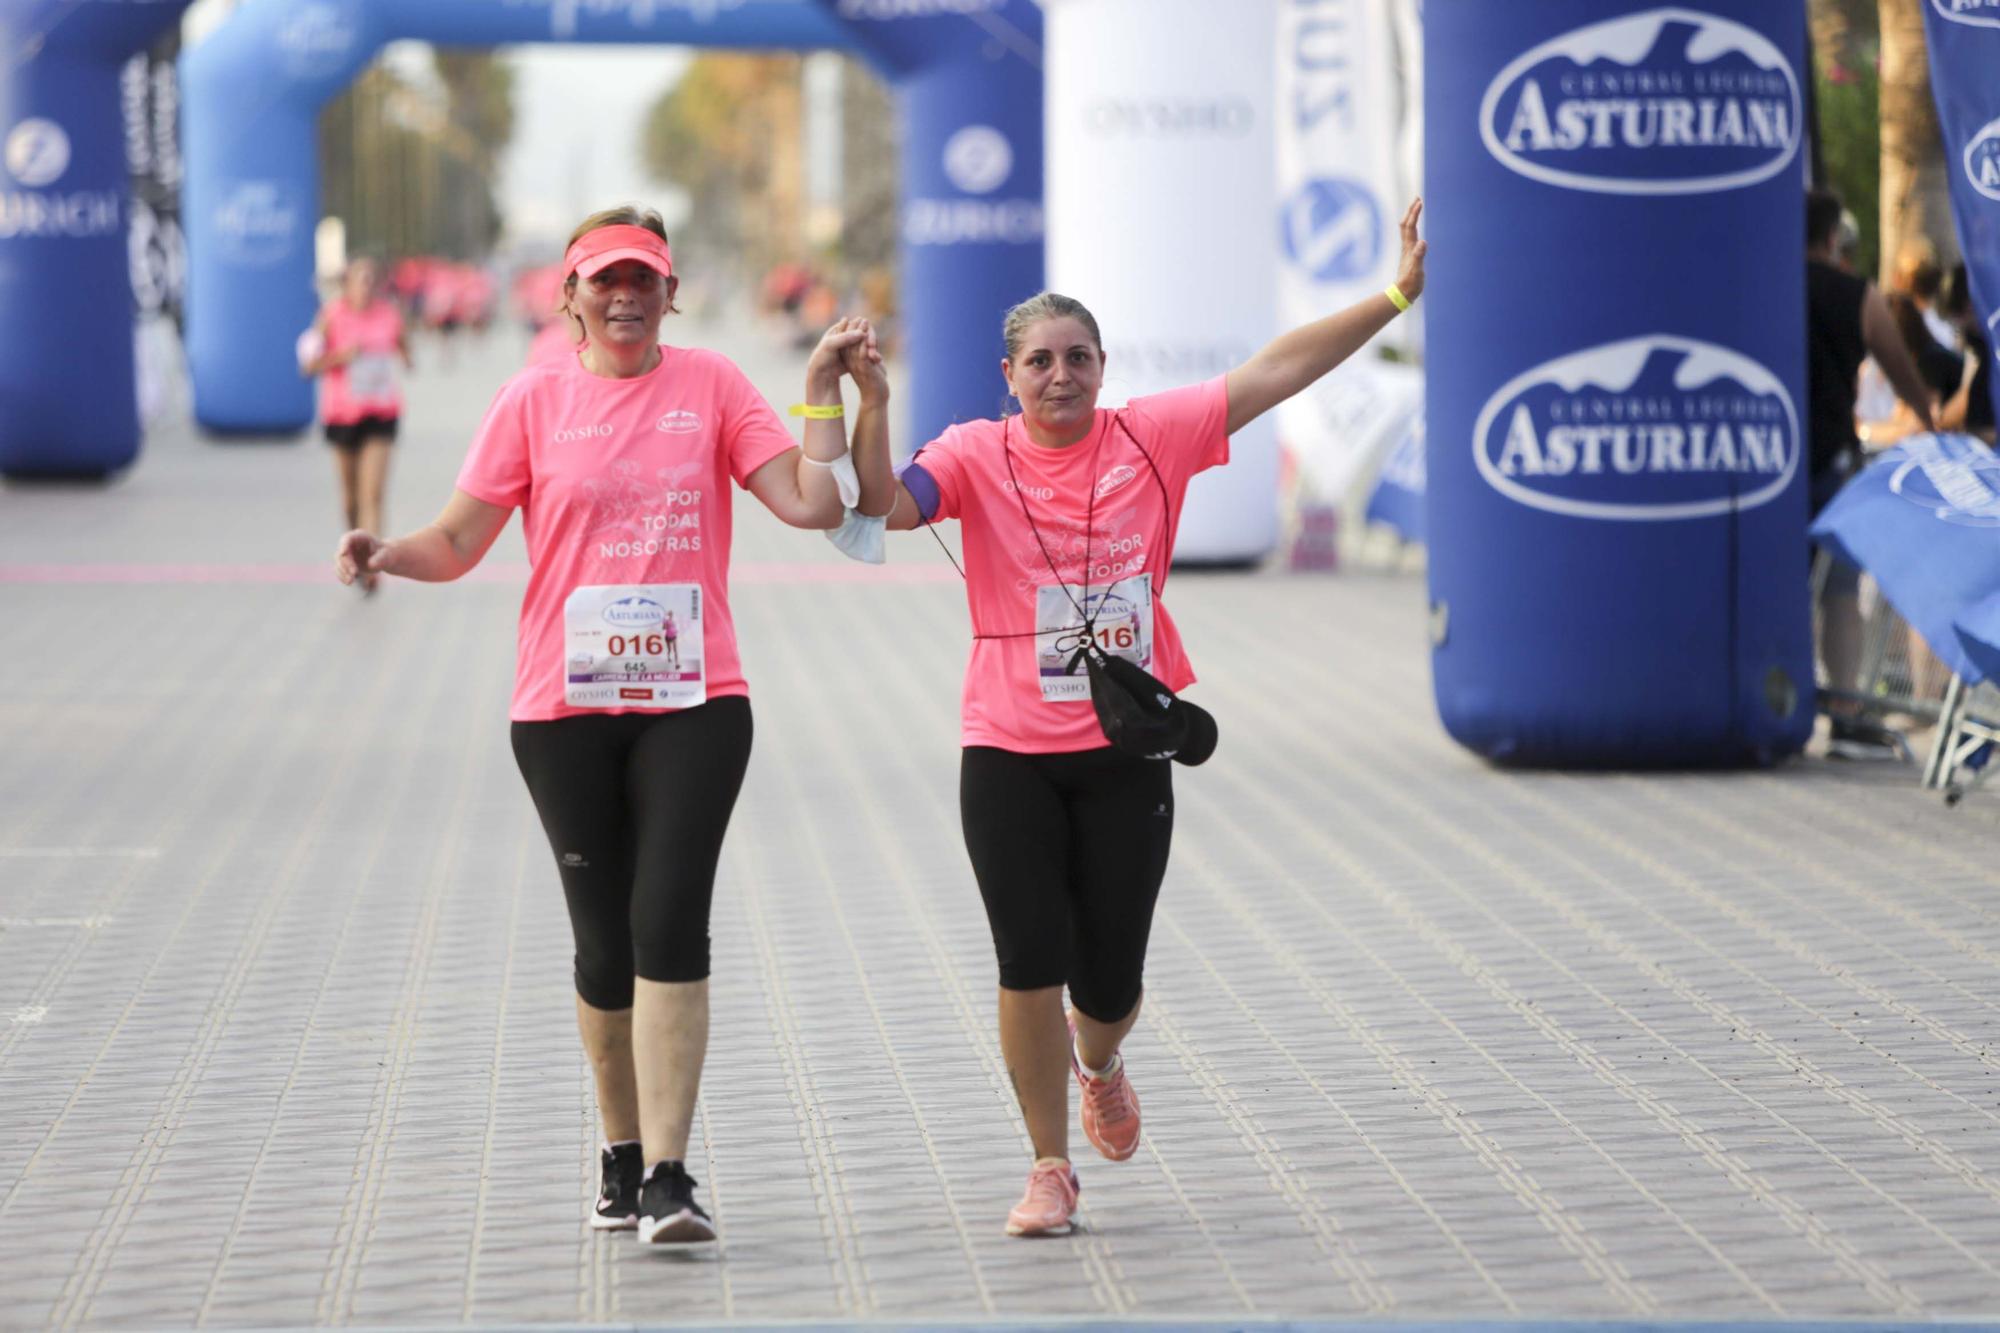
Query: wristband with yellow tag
{"x": 819, "y": 411}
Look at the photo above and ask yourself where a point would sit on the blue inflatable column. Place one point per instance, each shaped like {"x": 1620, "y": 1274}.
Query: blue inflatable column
{"x": 972, "y": 223}
{"x": 68, "y": 404}
{"x": 249, "y": 121}
{"x": 1616, "y": 392}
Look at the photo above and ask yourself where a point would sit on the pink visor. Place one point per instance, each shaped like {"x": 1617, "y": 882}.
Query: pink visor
{"x": 605, "y": 246}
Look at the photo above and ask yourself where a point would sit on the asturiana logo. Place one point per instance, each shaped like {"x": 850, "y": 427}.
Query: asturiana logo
{"x": 1978, "y": 13}
{"x": 679, "y": 422}
{"x": 1667, "y": 101}
{"x": 1954, "y": 476}
{"x": 1114, "y": 479}
{"x": 1649, "y": 428}
{"x": 635, "y": 613}
{"x": 1982, "y": 161}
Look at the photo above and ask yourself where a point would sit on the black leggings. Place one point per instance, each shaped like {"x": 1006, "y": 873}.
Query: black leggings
{"x": 1069, "y": 850}
{"x": 635, "y": 806}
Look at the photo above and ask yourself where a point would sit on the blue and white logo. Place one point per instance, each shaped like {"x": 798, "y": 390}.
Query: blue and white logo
{"x": 1977, "y": 13}
{"x": 1954, "y": 476}
{"x": 978, "y": 159}
{"x": 1332, "y": 229}
{"x": 635, "y": 613}
{"x": 885, "y": 10}
{"x": 1645, "y": 429}
{"x": 37, "y": 152}
{"x": 1982, "y": 161}
{"x": 1667, "y": 101}
{"x": 259, "y": 221}
{"x": 317, "y": 38}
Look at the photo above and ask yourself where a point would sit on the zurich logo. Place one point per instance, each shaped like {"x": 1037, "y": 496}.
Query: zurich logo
{"x": 978, "y": 159}
{"x": 1332, "y": 229}
{"x": 1649, "y": 428}
{"x": 635, "y": 613}
{"x": 1977, "y": 13}
{"x": 1954, "y": 476}
{"x": 1667, "y": 101}
{"x": 37, "y": 152}
{"x": 1982, "y": 161}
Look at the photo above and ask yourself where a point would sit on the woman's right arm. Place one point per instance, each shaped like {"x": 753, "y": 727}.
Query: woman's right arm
{"x": 444, "y": 550}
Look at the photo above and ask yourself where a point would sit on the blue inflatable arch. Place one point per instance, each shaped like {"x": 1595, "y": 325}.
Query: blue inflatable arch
{"x": 967, "y": 76}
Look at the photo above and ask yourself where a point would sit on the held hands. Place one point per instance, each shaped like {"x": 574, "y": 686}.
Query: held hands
{"x": 828, "y": 359}
{"x": 360, "y": 555}
{"x": 1410, "y": 269}
{"x": 863, "y": 363}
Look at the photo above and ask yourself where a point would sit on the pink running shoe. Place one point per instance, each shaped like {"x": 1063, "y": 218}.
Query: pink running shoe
{"x": 1048, "y": 1206}
{"x": 1110, "y": 1107}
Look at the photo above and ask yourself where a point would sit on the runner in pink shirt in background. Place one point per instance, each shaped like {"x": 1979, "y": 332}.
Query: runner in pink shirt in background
{"x": 1067, "y": 514}
{"x": 620, "y": 460}
{"x": 356, "y": 344}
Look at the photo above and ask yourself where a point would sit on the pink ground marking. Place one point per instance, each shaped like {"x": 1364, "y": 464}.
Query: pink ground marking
{"x": 497, "y": 572}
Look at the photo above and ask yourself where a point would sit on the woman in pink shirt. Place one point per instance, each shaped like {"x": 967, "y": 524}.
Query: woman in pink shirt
{"x": 1067, "y": 513}
{"x": 360, "y": 338}
{"x": 620, "y": 461}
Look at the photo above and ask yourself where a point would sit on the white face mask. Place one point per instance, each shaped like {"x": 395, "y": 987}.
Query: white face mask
{"x": 860, "y": 537}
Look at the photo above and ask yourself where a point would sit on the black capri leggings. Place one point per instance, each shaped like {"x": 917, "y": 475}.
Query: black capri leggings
{"x": 635, "y": 806}
{"x": 1069, "y": 850}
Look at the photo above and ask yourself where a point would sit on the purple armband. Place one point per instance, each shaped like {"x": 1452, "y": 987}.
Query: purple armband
{"x": 923, "y": 488}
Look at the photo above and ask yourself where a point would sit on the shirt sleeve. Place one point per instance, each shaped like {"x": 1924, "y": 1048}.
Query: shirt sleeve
{"x": 1189, "y": 425}
{"x": 935, "y": 477}
{"x": 497, "y": 468}
{"x": 753, "y": 434}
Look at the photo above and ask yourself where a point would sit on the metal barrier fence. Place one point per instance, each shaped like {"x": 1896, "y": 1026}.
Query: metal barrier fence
{"x": 1902, "y": 686}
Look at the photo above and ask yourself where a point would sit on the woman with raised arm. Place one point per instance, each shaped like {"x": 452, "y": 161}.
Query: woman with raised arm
{"x": 1067, "y": 513}
{"x": 633, "y": 746}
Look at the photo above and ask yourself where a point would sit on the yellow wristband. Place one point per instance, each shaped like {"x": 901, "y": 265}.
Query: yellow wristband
{"x": 1396, "y": 297}
{"x": 818, "y": 411}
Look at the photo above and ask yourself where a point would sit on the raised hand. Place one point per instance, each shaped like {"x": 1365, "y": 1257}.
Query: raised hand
{"x": 1410, "y": 269}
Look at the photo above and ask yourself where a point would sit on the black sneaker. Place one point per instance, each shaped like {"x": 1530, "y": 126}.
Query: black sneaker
{"x": 668, "y": 1214}
{"x": 618, "y": 1197}
{"x": 1864, "y": 738}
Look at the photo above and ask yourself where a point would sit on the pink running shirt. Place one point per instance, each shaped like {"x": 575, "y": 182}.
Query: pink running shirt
{"x": 1009, "y": 585}
{"x": 366, "y": 386}
{"x": 621, "y": 482}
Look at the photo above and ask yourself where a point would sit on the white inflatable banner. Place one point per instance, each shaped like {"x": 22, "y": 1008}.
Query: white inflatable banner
{"x": 1160, "y": 184}
{"x": 1343, "y": 155}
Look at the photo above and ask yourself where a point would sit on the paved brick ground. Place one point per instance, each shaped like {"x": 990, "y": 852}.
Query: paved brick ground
{"x": 285, "y": 1026}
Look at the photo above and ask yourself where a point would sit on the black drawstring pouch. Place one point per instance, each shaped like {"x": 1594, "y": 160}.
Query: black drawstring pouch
{"x": 1140, "y": 716}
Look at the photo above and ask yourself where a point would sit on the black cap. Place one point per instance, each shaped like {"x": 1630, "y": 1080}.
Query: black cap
{"x": 1140, "y": 716}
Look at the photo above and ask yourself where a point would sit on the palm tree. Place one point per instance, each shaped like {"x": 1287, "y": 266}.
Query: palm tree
{"x": 1916, "y": 207}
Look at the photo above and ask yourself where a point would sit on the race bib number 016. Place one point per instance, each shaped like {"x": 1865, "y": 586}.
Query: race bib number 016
{"x": 633, "y": 646}
{"x": 1122, "y": 614}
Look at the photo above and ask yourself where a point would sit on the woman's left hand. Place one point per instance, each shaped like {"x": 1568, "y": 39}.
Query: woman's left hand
{"x": 1410, "y": 269}
{"x": 824, "y": 369}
